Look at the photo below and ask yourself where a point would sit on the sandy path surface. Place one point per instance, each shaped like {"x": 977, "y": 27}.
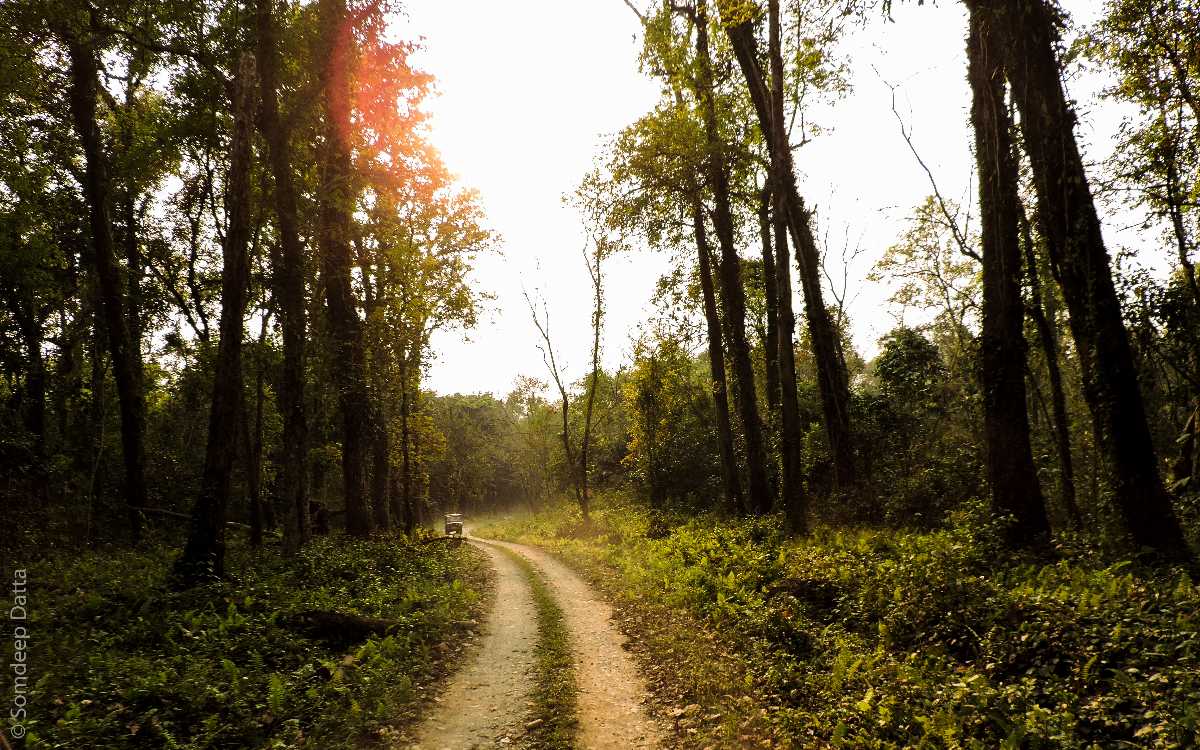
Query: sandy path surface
{"x": 485, "y": 704}
{"x": 612, "y": 694}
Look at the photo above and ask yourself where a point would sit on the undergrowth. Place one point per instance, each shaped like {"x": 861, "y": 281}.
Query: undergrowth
{"x": 121, "y": 661}
{"x": 890, "y": 639}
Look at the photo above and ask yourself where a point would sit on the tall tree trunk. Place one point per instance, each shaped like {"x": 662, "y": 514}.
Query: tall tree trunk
{"x": 1183, "y": 465}
{"x": 405, "y": 509}
{"x": 381, "y": 452}
{"x": 730, "y": 477}
{"x": 83, "y": 93}
{"x": 733, "y": 294}
{"x": 1048, "y": 337}
{"x": 552, "y": 365}
{"x": 593, "y": 380}
{"x": 420, "y": 493}
{"x": 252, "y": 438}
{"x": 204, "y": 554}
{"x": 1068, "y": 219}
{"x": 568, "y": 451}
{"x": 1009, "y": 457}
{"x": 33, "y": 397}
{"x": 134, "y": 269}
{"x": 96, "y": 405}
{"x": 253, "y": 442}
{"x": 795, "y": 501}
{"x": 832, "y": 379}
{"x": 771, "y": 297}
{"x": 289, "y": 290}
{"x": 335, "y": 225}
{"x": 381, "y": 471}
{"x": 716, "y": 362}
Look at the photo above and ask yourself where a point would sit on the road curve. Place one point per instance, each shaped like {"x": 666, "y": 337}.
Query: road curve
{"x": 486, "y": 702}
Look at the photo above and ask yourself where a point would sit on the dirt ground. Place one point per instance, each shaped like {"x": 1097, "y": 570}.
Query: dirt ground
{"x": 485, "y": 704}
{"x": 612, "y": 694}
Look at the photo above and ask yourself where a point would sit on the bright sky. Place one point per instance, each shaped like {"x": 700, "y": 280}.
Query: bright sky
{"x": 529, "y": 88}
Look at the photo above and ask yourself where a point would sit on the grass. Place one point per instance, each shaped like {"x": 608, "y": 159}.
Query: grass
{"x": 890, "y": 639}
{"x": 554, "y": 721}
{"x": 121, "y": 661}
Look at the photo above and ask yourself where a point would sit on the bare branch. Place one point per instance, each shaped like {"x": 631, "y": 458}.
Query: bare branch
{"x": 959, "y": 239}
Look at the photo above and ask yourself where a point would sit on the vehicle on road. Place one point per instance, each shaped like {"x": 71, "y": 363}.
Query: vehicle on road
{"x": 454, "y": 525}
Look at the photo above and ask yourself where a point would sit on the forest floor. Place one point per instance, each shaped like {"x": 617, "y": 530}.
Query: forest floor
{"x": 124, "y": 661}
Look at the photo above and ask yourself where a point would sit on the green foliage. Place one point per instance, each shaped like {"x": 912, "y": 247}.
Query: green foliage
{"x": 916, "y": 427}
{"x": 888, "y": 639}
{"x": 122, "y": 663}
{"x": 672, "y": 447}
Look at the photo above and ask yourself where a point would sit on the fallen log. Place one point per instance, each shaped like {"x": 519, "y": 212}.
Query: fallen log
{"x": 340, "y": 627}
{"x": 231, "y": 524}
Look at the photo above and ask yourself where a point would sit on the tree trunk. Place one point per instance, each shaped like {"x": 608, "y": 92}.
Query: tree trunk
{"x": 572, "y": 467}
{"x": 1184, "y": 466}
{"x": 832, "y": 380}
{"x": 771, "y": 296}
{"x": 83, "y": 93}
{"x": 597, "y": 322}
{"x": 1009, "y": 457}
{"x": 1048, "y": 338}
{"x": 733, "y": 295}
{"x": 253, "y": 442}
{"x": 1068, "y": 219}
{"x": 335, "y": 225}
{"x": 381, "y": 455}
{"x": 795, "y": 501}
{"x": 134, "y": 269}
{"x": 204, "y": 554}
{"x": 420, "y": 495}
{"x": 289, "y": 290}
{"x": 381, "y": 471}
{"x": 406, "y": 482}
{"x": 716, "y": 363}
{"x": 33, "y": 397}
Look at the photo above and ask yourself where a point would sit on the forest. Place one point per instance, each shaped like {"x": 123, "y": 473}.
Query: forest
{"x": 230, "y": 250}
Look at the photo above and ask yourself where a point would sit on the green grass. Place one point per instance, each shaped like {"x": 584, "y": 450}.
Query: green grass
{"x": 554, "y": 691}
{"x": 889, "y": 639}
{"x": 121, "y": 661}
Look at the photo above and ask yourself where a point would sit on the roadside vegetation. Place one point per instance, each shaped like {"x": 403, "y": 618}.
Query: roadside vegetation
{"x": 121, "y": 661}
{"x": 889, "y": 638}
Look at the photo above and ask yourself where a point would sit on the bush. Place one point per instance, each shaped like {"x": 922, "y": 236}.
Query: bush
{"x": 889, "y": 639}
{"x": 122, "y": 662}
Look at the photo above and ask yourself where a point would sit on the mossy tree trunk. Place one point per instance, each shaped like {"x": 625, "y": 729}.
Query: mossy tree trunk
{"x": 83, "y": 93}
{"x": 1071, "y": 227}
{"x": 1011, "y": 473}
{"x": 732, "y": 292}
{"x": 832, "y": 379}
{"x": 204, "y": 554}
{"x": 335, "y": 227}
{"x": 289, "y": 283}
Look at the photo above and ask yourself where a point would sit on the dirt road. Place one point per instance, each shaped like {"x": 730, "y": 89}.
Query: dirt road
{"x": 485, "y": 704}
